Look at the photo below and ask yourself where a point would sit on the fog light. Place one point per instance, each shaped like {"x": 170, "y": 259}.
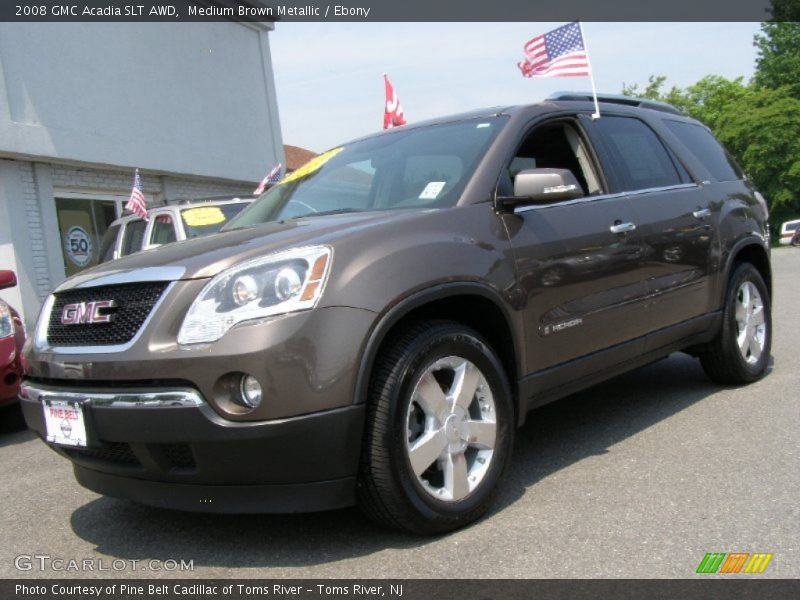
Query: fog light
{"x": 250, "y": 391}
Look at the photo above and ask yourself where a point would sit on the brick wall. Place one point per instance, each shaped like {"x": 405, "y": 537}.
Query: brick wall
{"x": 162, "y": 187}
{"x": 33, "y": 217}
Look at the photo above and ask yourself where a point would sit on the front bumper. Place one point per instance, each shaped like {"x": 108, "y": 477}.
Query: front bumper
{"x": 10, "y": 371}
{"x": 169, "y": 448}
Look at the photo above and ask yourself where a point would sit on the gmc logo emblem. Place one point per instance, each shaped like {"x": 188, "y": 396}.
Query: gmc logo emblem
{"x": 87, "y": 312}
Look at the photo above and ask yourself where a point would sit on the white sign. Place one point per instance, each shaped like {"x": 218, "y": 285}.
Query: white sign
{"x": 78, "y": 246}
{"x": 64, "y": 423}
{"x": 432, "y": 190}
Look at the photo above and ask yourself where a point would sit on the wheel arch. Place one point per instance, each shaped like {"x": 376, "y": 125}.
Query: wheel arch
{"x": 472, "y": 304}
{"x": 753, "y": 251}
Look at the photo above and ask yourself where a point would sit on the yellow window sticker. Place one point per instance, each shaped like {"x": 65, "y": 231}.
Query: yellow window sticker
{"x": 313, "y": 165}
{"x": 202, "y": 216}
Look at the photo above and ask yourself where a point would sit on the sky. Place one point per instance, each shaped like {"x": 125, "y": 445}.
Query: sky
{"x": 329, "y": 76}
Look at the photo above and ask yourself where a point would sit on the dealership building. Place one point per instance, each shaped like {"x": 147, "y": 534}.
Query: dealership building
{"x": 82, "y": 105}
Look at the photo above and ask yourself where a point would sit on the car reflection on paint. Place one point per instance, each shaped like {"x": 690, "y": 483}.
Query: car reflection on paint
{"x": 561, "y": 270}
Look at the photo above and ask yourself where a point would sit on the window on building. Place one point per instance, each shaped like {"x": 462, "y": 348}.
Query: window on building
{"x": 82, "y": 222}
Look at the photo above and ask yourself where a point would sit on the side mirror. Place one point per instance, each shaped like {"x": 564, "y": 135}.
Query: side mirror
{"x": 541, "y": 186}
{"x": 7, "y": 279}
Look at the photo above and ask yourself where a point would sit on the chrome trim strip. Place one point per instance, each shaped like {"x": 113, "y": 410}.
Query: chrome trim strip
{"x": 145, "y": 274}
{"x": 40, "y": 338}
{"x": 681, "y": 186}
{"x": 156, "y": 399}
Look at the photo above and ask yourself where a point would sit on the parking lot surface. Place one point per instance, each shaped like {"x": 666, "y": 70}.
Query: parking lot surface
{"x": 638, "y": 477}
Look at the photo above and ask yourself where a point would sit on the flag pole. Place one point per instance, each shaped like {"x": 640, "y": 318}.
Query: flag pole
{"x": 596, "y": 114}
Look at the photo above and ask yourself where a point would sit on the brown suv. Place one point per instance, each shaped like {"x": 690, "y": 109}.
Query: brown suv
{"x": 374, "y": 328}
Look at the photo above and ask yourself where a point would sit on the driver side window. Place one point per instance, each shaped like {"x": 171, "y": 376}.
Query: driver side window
{"x": 558, "y": 146}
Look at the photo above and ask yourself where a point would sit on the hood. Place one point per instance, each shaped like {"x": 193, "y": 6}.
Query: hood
{"x": 204, "y": 257}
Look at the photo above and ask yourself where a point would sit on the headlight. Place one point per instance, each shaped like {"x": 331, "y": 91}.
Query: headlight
{"x": 273, "y": 285}
{"x": 6, "y": 322}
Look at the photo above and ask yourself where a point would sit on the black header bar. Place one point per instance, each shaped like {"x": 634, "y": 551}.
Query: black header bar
{"x": 382, "y": 10}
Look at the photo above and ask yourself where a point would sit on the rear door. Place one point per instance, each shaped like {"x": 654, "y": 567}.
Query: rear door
{"x": 674, "y": 217}
{"x": 576, "y": 260}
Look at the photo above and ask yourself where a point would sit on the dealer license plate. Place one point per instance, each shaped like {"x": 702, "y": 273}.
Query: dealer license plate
{"x": 64, "y": 423}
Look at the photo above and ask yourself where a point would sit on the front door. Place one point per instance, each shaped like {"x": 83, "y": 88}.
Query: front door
{"x": 576, "y": 261}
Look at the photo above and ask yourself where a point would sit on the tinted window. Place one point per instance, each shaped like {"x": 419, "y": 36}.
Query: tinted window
{"x": 108, "y": 243}
{"x": 163, "y": 230}
{"x": 637, "y": 154}
{"x": 706, "y": 149}
{"x": 133, "y": 237}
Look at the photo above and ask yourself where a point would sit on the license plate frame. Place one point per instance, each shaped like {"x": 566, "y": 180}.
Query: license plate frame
{"x": 65, "y": 423}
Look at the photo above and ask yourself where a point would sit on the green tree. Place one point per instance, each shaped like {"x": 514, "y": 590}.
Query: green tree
{"x": 652, "y": 91}
{"x": 778, "y": 62}
{"x": 762, "y": 129}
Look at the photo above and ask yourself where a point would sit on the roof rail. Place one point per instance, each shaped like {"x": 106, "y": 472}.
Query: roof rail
{"x": 617, "y": 99}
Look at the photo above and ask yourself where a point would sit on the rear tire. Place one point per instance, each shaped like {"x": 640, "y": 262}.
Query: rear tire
{"x": 740, "y": 352}
{"x": 439, "y": 431}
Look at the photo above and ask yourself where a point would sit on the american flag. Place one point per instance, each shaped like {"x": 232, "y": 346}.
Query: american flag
{"x": 274, "y": 176}
{"x": 136, "y": 203}
{"x": 557, "y": 53}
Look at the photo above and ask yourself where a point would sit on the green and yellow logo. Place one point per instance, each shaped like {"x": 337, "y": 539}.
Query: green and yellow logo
{"x": 734, "y": 562}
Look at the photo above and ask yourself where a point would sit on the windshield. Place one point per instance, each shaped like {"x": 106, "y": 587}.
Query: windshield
{"x": 205, "y": 220}
{"x": 414, "y": 168}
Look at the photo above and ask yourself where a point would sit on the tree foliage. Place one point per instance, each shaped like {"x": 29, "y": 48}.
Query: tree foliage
{"x": 778, "y": 62}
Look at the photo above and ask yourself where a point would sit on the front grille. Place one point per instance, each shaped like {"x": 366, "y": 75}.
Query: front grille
{"x": 179, "y": 456}
{"x": 134, "y": 302}
{"x": 112, "y": 452}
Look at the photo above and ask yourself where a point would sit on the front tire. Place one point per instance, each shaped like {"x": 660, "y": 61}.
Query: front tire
{"x": 439, "y": 430}
{"x": 740, "y": 352}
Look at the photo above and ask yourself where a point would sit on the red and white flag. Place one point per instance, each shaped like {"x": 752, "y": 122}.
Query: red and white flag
{"x": 272, "y": 177}
{"x": 392, "y": 111}
{"x": 557, "y": 53}
{"x": 136, "y": 203}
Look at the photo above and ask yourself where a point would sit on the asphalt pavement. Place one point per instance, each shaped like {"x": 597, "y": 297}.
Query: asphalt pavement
{"x": 638, "y": 477}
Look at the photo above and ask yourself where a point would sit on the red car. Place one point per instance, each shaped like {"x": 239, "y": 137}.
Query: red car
{"x": 12, "y": 336}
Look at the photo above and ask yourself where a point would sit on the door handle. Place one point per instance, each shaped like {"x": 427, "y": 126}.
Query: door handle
{"x": 702, "y": 213}
{"x": 622, "y": 227}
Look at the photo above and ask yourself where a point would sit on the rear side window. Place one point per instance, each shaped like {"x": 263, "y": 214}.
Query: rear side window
{"x": 791, "y": 226}
{"x": 638, "y": 155}
{"x": 133, "y": 237}
{"x": 108, "y": 243}
{"x": 706, "y": 149}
